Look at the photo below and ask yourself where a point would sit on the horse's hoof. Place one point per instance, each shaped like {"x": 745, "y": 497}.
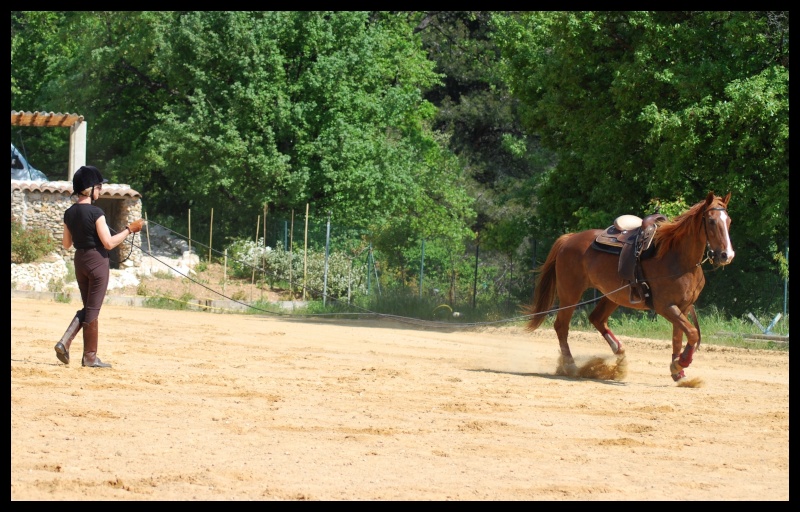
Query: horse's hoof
{"x": 567, "y": 367}
{"x": 676, "y": 370}
{"x": 678, "y": 376}
{"x": 571, "y": 369}
{"x": 568, "y": 370}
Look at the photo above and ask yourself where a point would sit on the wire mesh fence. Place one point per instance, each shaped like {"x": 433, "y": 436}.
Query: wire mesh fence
{"x": 315, "y": 259}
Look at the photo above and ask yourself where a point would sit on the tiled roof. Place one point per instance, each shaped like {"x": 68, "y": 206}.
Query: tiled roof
{"x": 110, "y": 190}
{"x": 44, "y": 119}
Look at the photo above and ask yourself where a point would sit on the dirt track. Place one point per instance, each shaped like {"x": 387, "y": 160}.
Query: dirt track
{"x": 202, "y": 406}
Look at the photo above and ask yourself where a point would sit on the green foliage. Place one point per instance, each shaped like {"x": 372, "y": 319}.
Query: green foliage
{"x": 670, "y": 208}
{"x": 260, "y": 307}
{"x": 55, "y": 285}
{"x": 163, "y": 274}
{"x": 142, "y": 289}
{"x": 513, "y": 127}
{"x": 402, "y": 302}
{"x": 58, "y": 287}
{"x": 246, "y": 257}
{"x": 37, "y": 53}
{"x": 168, "y": 302}
{"x": 70, "y": 277}
{"x": 783, "y": 261}
{"x": 647, "y": 105}
{"x": 717, "y": 327}
{"x": 481, "y": 120}
{"x": 28, "y": 245}
{"x": 249, "y": 258}
{"x": 162, "y": 302}
{"x": 322, "y": 106}
{"x": 505, "y": 234}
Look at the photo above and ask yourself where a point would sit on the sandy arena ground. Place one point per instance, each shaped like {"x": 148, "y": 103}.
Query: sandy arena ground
{"x": 204, "y": 406}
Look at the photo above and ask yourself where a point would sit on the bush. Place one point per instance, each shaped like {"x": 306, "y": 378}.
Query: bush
{"x": 168, "y": 302}
{"x": 273, "y": 265}
{"x": 246, "y": 256}
{"x": 28, "y": 245}
{"x": 63, "y": 297}
{"x": 142, "y": 289}
{"x": 55, "y": 285}
{"x": 70, "y": 277}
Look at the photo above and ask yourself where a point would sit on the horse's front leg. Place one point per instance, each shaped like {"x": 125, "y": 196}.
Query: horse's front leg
{"x": 691, "y": 312}
{"x": 682, "y": 326}
{"x": 677, "y": 343}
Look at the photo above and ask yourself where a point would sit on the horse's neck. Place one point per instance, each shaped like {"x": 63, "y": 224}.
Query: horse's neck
{"x": 689, "y": 250}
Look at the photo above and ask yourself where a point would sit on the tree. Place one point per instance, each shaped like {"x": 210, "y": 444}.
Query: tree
{"x": 646, "y": 105}
{"x": 37, "y": 51}
{"x": 481, "y": 118}
{"x": 234, "y": 110}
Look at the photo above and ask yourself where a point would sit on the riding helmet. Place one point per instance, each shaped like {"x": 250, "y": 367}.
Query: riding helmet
{"x": 85, "y": 177}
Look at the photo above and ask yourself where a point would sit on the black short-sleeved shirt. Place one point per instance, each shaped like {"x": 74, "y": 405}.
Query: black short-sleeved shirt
{"x": 80, "y": 219}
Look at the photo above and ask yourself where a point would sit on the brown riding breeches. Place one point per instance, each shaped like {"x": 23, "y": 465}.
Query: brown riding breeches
{"x": 91, "y": 272}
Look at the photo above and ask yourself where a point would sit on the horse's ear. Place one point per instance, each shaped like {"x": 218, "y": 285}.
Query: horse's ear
{"x": 727, "y": 198}
{"x": 710, "y": 197}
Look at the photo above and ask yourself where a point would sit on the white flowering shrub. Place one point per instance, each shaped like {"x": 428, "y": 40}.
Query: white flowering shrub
{"x": 246, "y": 255}
{"x": 273, "y": 266}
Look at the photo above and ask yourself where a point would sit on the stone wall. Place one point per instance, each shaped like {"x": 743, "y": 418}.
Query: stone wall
{"x": 42, "y": 205}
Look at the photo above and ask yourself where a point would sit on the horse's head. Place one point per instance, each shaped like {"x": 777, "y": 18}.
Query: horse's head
{"x": 717, "y": 223}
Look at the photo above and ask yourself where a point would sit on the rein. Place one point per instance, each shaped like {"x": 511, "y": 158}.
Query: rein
{"x": 129, "y": 252}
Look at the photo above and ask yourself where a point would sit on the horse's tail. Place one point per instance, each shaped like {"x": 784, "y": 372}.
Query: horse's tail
{"x": 545, "y": 294}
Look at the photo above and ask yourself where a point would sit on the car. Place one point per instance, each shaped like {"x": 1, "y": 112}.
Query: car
{"x": 22, "y": 170}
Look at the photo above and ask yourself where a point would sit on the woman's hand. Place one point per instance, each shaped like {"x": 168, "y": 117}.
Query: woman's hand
{"x": 136, "y": 226}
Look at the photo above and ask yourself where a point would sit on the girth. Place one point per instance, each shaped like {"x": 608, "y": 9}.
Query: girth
{"x": 632, "y": 239}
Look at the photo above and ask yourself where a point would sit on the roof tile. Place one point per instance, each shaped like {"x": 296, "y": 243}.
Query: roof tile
{"x": 62, "y": 187}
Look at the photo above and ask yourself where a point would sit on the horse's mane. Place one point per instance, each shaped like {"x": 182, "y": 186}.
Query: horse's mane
{"x": 669, "y": 234}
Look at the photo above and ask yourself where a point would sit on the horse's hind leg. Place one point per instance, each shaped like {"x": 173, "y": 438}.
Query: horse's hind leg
{"x": 599, "y": 318}
{"x": 561, "y": 326}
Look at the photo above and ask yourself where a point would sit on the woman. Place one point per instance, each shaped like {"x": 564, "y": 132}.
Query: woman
{"x": 85, "y": 227}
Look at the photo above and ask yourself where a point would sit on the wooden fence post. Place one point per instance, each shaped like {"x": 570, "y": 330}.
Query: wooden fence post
{"x": 210, "y": 235}
{"x": 305, "y": 256}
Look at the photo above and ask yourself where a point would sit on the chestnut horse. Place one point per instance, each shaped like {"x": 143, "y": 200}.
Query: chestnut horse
{"x": 674, "y": 274}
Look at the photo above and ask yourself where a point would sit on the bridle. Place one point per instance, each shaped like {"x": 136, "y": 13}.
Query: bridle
{"x": 710, "y": 254}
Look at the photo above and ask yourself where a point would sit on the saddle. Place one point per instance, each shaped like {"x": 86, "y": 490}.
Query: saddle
{"x": 631, "y": 238}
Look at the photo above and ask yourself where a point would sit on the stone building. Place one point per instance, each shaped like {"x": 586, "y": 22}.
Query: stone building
{"x": 41, "y": 204}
